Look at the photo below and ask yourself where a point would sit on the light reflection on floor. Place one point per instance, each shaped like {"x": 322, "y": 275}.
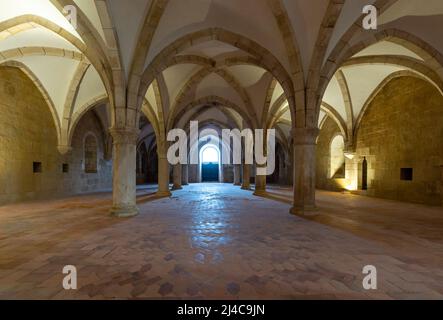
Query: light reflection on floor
{"x": 217, "y": 241}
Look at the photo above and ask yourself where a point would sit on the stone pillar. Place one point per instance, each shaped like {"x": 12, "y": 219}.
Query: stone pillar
{"x": 185, "y": 175}
{"x": 246, "y": 178}
{"x": 237, "y": 174}
{"x": 304, "y": 171}
{"x": 260, "y": 182}
{"x": 177, "y": 177}
{"x": 124, "y": 172}
{"x": 163, "y": 176}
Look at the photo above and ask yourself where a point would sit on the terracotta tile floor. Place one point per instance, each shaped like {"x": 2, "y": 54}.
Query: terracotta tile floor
{"x": 217, "y": 241}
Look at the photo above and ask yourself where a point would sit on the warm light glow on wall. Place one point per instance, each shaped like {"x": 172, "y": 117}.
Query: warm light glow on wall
{"x": 351, "y": 187}
{"x": 349, "y": 155}
{"x": 345, "y": 184}
{"x": 337, "y": 156}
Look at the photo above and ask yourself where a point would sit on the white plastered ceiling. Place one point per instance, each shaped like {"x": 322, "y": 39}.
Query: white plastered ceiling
{"x": 90, "y": 88}
{"x": 251, "y": 19}
{"x": 177, "y": 76}
{"x": 362, "y": 87}
{"x": 90, "y": 10}
{"x": 55, "y": 74}
{"x": 212, "y": 85}
{"x": 404, "y": 8}
{"x": 42, "y": 8}
{"x": 128, "y": 21}
{"x": 388, "y": 48}
{"x": 334, "y": 97}
{"x": 51, "y": 61}
{"x": 247, "y": 75}
{"x": 36, "y": 37}
{"x": 306, "y": 18}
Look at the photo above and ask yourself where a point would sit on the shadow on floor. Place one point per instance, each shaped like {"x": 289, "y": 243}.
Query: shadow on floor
{"x": 390, "y": 222}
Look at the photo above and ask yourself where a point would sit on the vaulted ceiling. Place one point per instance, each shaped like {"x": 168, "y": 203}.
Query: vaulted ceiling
{"x": 232, "y": 62}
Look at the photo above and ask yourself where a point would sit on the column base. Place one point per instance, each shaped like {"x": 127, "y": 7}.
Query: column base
{"x": 124, "y": 212}
{"x": 163, "y": 194}
{"x": 306, "y": 211}
{"x": 245, "y": 188}
{"x": 260, "y": 193}
{"x": 175, "y": 188}
{"x": 237, "y": 184}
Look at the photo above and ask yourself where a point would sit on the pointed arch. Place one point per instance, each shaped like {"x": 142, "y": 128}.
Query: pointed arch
{"x": 307, "y": 111}
{"x": 78, "y": 115}
{"x": 268, "y": 100}
{"x": 385, "y": 82}
{"x": 290, "y": 40}
{"x": 346, "y": 94}
{"x": 345, "y": 51}
{"x": 151, "y": 22}
{"x": 68, "y": 108}
{"x": 334, "y": 115}
{"x": 41, "y": 88}
{"x": 215, "y": 101}
{"x": 268, "y": 61}
{"x": 197, "y": 78}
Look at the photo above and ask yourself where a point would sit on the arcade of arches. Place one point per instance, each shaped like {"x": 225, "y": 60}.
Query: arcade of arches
{"x": 85, "y": 111}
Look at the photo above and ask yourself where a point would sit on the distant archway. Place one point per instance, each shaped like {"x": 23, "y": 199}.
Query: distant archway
{"x": 210, "y": 160}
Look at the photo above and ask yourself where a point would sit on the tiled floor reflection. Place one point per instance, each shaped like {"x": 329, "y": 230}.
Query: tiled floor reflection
{"x": 217, "y": 241}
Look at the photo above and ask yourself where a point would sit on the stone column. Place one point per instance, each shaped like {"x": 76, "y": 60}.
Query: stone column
{"x": 163, "y": 176}
{"x": 246, "y": 178}
{"x": 185, "y": 174}
{"x": 177, "y": 177}
{"x": 304, "y": 170}
{"x": 124, "y": 171}
{"x": 237, "y": 174}
{"x": 260, "y": 182}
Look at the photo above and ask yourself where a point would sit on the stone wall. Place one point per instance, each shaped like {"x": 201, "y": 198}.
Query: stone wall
{"x": 193, "y": 173}
{"x": 28, "y": 135}
{"x": 329, "y": 130}
{"x": 228, "y": 174}
{"x": 403, "y": 128}
{"x": 78, "y": 181}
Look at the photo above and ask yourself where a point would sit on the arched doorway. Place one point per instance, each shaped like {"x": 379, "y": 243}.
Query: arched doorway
{"x": 210, "y": 163}
{"x": 337, "y": 161}
{"x": 364, "y": 173}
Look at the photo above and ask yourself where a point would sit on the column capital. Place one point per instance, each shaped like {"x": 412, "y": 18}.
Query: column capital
{"x": 64, "y": 150}
{"x": 305, "y": 136}
{"x": 125, "y": 135}
{"x": 350, "y": 147}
